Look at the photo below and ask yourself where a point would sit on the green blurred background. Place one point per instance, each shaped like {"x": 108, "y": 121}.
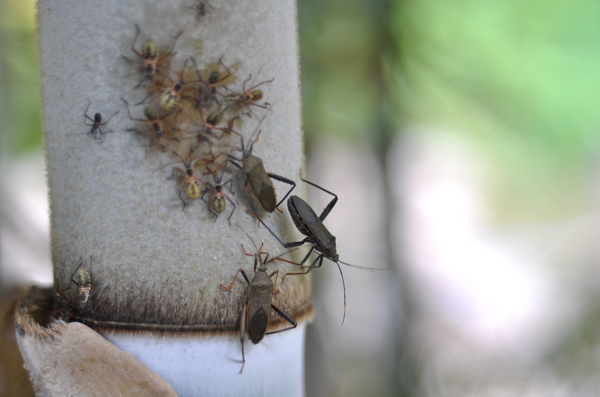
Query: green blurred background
{"x": 518, "y": 79}
{"x": 20, "y": 87}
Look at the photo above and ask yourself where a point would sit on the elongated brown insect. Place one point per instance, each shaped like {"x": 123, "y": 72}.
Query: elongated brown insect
{"x": 259, "y": 179}
{"x": 256, "y": 307}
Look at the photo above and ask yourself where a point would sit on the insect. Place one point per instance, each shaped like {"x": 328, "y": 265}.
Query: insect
{"x": 150, "y": 56}
{"x": 322, "y": 241}
{"x": 202, "y": 9}
{"x": 256, "y": 307}
{"x": 83, "y": 280}
{"x": 169, "y": 97}
{"x": 190, "y": 182}
{"x": 259, "y": 179}
{"x": 96, "y": 130}
{"x": 249, "y": 96}
{"x": 208, "y": 95}
{"x": 156, "y": 131}
{"x": 229, "y": 129}
{"x": 216, "y": 200}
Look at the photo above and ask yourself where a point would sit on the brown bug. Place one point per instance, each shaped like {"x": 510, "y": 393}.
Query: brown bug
{"x": 150, "y": 56}
{"x": 216, "y": 200}
{"x": 190, "y": 182}
{"x": 96, "y": 130}
{"x": 208, "y": 95}
{"x": 249, "y": 96}
{"x": 156, "y": 131}
{"x": 256, "y": 307}
{"x": 259, "y": 179}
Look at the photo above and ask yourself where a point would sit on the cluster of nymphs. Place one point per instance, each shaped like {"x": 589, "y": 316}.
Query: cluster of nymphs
{"x": 193, "y": 115}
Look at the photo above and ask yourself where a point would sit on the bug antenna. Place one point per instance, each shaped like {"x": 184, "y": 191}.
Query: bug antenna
{"x": 344, "y": 287}
{"x": 253, "y": 132}
{"x": 278, "y": 257}
{"x": 251, "y": 240}
{"x": 372, "y": 269}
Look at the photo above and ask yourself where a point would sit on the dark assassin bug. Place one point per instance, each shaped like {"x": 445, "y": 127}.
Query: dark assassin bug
{"x": 96, "y": 130}
{"x": 216, "y": 200}
{"x": 259, "y": 179}
{"x": 150, "y": 56}
{"x": 322, "y": 241}
{"x": 256, "y": 307}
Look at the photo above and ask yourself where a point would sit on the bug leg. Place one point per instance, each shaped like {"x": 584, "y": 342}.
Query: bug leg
{"x": 77, "y": 268}
{"x": 233, "y": 280}
{"x": 312, "y": 265}
{"x": 146, "y": 78}
{"x": 230, "y": 184}
{"x": 243, "y": 331}
{"x": 137, "y": 33}
{"x": 214, "y": 213}
{"x": 85, "y": 113}
{"x": 285, "y": 245}
{"x": 246, "y": 252}
{"x": 329, "y": 206}
{"x": 111, "y": 117}
{"x": 274, "y": 290}
{"x": 286, "y": 317}
{"x": 284, "y": 180}
{"x": 232, "y": 211}
{"x": 180, "y": 196}
{"x": 144, "y": 100}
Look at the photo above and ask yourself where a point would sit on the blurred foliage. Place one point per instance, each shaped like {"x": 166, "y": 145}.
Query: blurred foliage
{"x": 341, "y": 53}
{"x": 20, "y": 80}
{"x": 520, "y": 79}
{"x": 516, "y": 79}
